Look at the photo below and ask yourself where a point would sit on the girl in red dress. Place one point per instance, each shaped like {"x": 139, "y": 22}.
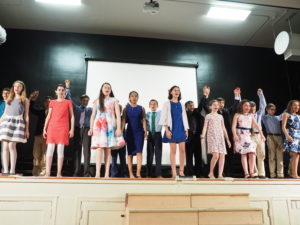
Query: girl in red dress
{"x": 57, "y": 130}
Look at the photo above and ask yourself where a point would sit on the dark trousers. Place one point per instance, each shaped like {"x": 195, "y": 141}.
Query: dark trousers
{"x": 229, "y": 160}
{"x": 193, "y": 151}
{"x": 154, "y": 147}
{"x": 82, "y": 141}
{"x": 120, "y": 171}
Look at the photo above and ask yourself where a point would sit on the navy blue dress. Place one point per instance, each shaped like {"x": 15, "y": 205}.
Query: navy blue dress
{"x": 178, "y": 131}
{"x": 134, "y": 134}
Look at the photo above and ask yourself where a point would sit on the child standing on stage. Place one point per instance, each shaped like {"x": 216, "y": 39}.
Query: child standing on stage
{"x": 57, "y": 130}
{"x": 291, "y": 130}
{"x": 136, "y": 131}
{"x": 216, "y": 131}
{"x": 175, "y": 122}
{"x": 274, "y": 141}
{"x": 154, "y": 141}
{"x": 14, "y": 125}
{"x": 105, "y": 127}
{"x": 241, "y": 129}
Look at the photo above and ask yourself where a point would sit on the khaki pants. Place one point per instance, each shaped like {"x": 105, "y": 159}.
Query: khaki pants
{"x": 275, "y": 147}
{"x": 39, "y": 156}
{"x": 260, "y": 154}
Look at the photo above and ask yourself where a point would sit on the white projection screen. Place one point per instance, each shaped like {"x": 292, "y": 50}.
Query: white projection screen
{"x": 150, "y": 81}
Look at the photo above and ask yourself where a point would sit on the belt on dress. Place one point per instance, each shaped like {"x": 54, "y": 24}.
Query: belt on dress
{"x": 243, "y": 128}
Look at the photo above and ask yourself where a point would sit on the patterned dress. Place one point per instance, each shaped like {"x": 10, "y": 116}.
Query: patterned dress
{"x": 105, "y": 126}
{"x": 215, "y": 134}
{"x": 245, "y": 144}
{"x": 12, "y": 128}
{"x": 293, "y": 128}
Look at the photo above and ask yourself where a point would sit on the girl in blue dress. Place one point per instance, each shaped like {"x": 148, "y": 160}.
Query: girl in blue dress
{"x": 174, "y": 120}
{"x": 291, "y": 130}
{"x": 136, "y": 131}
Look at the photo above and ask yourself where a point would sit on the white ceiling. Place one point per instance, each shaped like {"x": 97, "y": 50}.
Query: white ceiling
{"x": 177, "y": 20}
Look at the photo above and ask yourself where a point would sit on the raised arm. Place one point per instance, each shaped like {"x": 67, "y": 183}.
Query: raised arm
{"x": 203, "y": 104}
{"x": 262, "y": 102}
{"x": 285, "y": 118}
{"x": 32, "y": 99}
{"x": 237, "y": 99}
{"x": 69, "y": 96}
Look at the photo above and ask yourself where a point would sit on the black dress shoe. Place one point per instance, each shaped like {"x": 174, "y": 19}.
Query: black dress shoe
{"x": 262, "y": 177}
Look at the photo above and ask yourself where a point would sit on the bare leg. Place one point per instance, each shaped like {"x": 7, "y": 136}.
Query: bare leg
{"x": 60, "y": 159}
{"x": 245, "y": 164}
{"x": 252, "y": 159}
{"x": 294, "y": 166}
{"x": 181, "y": 158}
{"x": 173, "y": 158}
{"x": 5, "y": 154}
{"x": 99, "y": 153}
{"x": 139, "y": 157}
{"x": 213, "y": 163}
{"x": 221, "y": 165}
{"x": 107, "y": 157}
{"x": 49, "y": 156}
{"x": 13, "y": 156}
{"x": 129, "y": 162}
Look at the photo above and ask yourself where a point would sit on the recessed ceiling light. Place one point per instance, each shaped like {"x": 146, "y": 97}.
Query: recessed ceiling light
{"x": 61, "y": 2}
{"x": 228, "y": 13}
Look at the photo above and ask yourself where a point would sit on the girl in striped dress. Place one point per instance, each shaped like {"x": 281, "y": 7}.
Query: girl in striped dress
{"x": 14, "y": 125}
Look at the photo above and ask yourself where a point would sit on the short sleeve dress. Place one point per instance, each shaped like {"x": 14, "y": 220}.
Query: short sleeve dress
{"x": 105, "y": 126}
{"x": 215, "y": 134}
{"x": 59, "y": 122}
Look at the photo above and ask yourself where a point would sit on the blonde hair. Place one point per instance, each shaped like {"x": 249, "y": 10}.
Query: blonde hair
{"x": 12, "y": 93}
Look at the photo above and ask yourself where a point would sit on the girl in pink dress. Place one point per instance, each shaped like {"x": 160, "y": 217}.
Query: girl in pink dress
{"x": 215, "y": 130}
{"x": 56, "y": 129}
{"x": 242, "y": 124}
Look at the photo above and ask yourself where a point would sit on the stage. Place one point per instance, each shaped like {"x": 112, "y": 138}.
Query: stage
{"x": 82, "y": 201}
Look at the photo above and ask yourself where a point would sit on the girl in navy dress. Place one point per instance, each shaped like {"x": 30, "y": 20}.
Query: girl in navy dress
{"x": 136, "y": 131}
{"x": 291, "y": 130}
{"x": 174, "y": 120}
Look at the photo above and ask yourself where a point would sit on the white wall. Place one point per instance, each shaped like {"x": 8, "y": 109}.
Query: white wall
{"x": 150, "y": 81}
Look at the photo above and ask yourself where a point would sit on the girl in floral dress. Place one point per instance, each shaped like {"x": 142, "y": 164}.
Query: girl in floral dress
{"x": 241, "y": 128}
{"x": 105, "y": 127}
{"x": 216, "y": 134}
{"x": 291, "y": 130}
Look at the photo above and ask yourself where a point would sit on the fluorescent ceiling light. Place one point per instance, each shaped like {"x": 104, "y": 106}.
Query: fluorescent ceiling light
{"x": 61, "y": 2}
{"x": 228, "y": 13}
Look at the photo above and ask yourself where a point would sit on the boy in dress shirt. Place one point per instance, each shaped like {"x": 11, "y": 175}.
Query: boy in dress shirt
{"x": 274, "y": 141}
{"x": 154, "y": 140}
{"x": 82, "y": 140}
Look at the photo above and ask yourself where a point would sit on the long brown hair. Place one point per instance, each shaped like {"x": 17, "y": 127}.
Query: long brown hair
{"x": 101, "y": 97}
{"x": 12, "y": 94}
{"x": 240, "y": 106}
{"x": 290, "y": 104}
